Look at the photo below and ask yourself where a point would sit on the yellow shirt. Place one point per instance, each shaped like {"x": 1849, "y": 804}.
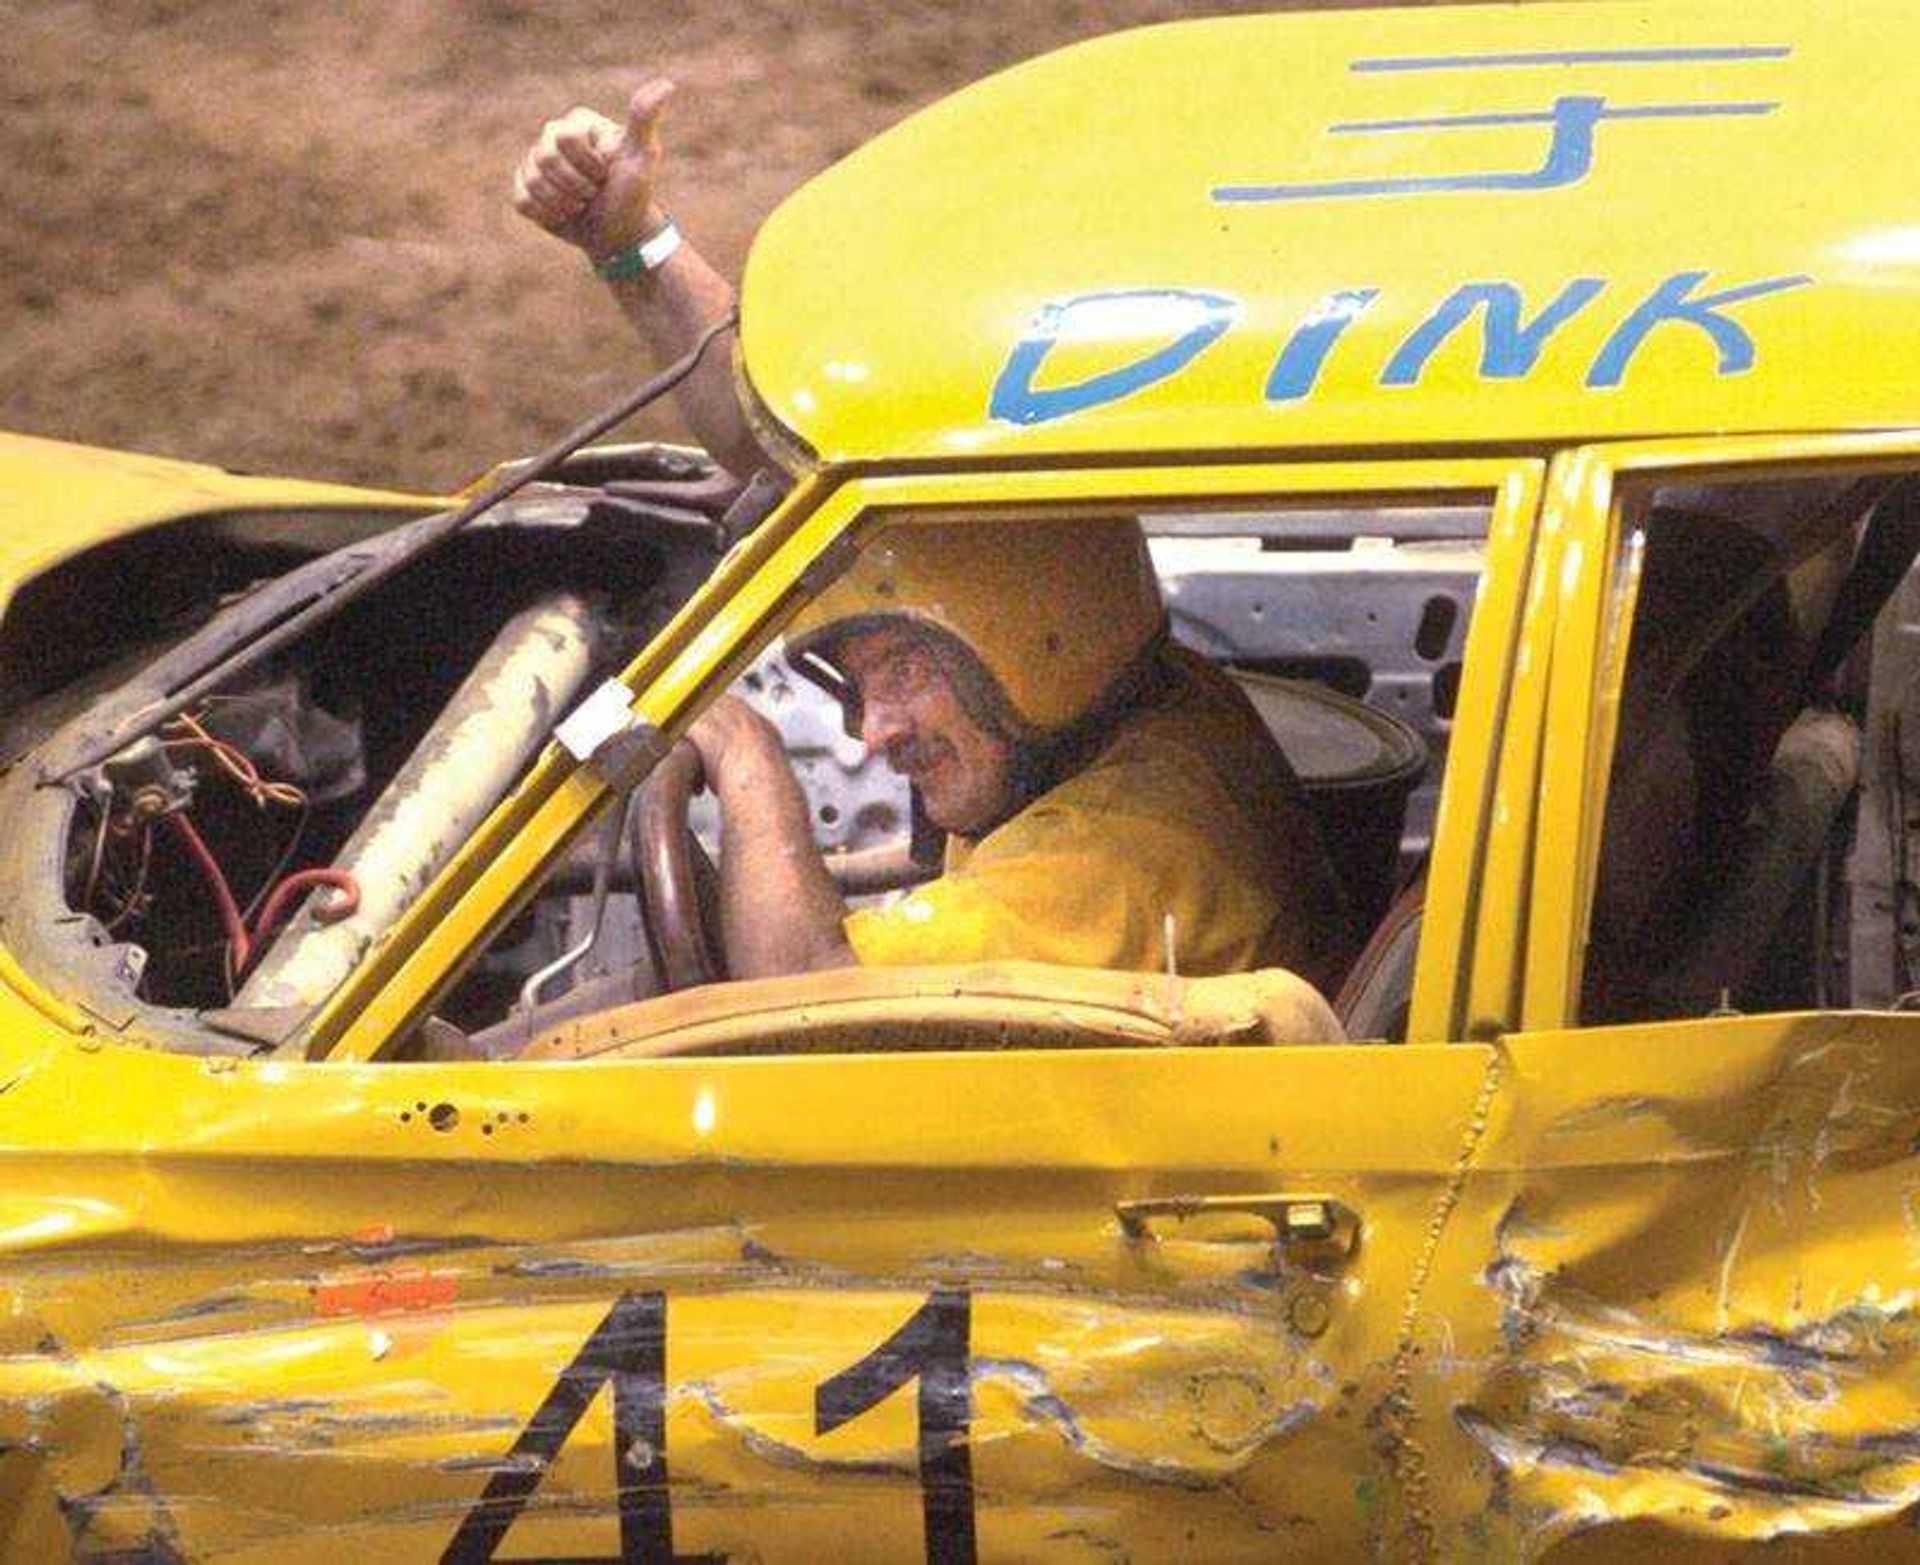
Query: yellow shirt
{"x": 1190, "y": 810}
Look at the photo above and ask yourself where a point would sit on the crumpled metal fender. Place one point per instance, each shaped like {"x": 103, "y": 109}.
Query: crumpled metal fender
{"x": 1676, "y": 1306}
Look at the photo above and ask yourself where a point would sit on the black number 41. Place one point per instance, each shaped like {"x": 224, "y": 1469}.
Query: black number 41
{"x": 629, "y": 1348}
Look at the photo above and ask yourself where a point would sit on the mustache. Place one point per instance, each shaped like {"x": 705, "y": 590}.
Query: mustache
{"x": 911, "y": 754}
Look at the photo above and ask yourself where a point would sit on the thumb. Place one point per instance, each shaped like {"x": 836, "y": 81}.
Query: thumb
{"x": 643, "y": 112}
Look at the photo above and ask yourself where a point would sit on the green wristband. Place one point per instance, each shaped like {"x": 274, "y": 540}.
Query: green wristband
{"x": 643, "y": 256}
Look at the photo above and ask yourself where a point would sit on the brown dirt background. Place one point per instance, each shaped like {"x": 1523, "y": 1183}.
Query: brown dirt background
{"x": 274, "y": 235}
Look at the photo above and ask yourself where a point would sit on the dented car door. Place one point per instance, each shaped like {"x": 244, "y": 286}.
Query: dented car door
{"x": 1674, "y": 1302}
{"x": 907, "y": 1306}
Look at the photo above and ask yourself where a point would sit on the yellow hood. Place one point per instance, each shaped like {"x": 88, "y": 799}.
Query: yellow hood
{"x": 57, "y": 499}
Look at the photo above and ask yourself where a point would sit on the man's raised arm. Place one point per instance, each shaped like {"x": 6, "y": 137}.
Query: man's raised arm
{"x": 592, "y": 182}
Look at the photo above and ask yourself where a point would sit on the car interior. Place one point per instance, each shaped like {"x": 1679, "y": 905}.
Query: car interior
{"x": 216, "y": 880}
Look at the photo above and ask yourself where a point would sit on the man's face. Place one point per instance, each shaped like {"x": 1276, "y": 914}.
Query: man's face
{"x": 911, "y": 714}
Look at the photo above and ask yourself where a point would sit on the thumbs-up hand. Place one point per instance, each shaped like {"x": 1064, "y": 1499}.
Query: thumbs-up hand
{"x": 590, "y": 181}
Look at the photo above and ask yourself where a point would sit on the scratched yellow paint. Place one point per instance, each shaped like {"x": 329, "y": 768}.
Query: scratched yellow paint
{"x": 789, "y": 1220}
{"x": 1690, "y": 1300}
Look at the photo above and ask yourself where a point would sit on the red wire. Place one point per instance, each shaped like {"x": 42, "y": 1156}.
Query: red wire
{"x": 332, "y": 911}
{"x": 240, "y": 946}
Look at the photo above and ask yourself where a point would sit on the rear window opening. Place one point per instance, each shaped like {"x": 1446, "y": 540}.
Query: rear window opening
{"x": 1759, "y": 829}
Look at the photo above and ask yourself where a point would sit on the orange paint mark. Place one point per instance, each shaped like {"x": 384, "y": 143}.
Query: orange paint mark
{"x": 373, "y": 1233}
{"x": 385, "y": 1293}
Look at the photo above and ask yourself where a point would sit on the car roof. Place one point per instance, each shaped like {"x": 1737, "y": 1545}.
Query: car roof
{"x": 1481, "y": 225}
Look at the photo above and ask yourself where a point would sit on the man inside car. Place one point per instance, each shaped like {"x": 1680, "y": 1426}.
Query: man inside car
{"x": 1110, "y": 799}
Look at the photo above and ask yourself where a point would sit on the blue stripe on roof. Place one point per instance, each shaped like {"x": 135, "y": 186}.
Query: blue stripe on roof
{"x": 1475, "y": 62}
{"x": 1652, "y": 111}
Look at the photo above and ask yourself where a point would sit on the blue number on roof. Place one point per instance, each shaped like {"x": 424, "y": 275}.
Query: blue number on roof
{"x": 1571, "y": 120}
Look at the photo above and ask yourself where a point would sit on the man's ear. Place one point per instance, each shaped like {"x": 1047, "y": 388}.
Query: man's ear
{"x": 974, "y": 687}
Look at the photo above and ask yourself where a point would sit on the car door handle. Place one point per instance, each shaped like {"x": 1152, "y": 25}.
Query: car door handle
{"x": 1308, "y": 1229}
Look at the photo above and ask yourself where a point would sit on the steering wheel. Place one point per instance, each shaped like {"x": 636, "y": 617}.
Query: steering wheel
{"x": 679, "y": 888}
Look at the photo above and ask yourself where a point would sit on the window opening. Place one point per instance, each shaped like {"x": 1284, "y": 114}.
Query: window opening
{"x": 1345, "y": 628}
{"x": 1754, "y": 849}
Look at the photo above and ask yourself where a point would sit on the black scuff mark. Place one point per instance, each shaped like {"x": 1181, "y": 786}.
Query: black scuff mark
{"x": 283, "y": 1407}
{"x": 1508, "y": 1448}
{"x": 506, "y": 1462}
{"x": 1515, "y": 1285}
{"x": 1608, "y": 1114}
{"x": 1262, "y": 1521}
{"x": 754, "y": 1264}
{"x": 403, "y": 1246}
{"x": 1109, "y": 1548}
{"x": 198, "y": 1309}
{"x": 388, "y": 1247}
{"x": 1842, "y": 1341}
{"x": 147, "y": 1552}
{"x": 1037, "y": 1396}
{"x": 555, "y": 1266}
{"x": 1745, "y": 1480}
{"x": 781, "y": 1453}
{"x": 1040, "y": 1403}
{"x": 309, "y": 1424}
{"x": 705, "y": 1270}
{"x": 1791, "y": 1351}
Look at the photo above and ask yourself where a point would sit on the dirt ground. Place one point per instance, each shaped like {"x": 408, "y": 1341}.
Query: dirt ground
{"x": 274, "y": 234}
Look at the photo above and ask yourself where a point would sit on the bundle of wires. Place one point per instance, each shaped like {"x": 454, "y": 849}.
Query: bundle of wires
{"x": 245, "y": 930}
{"x": 235, "y": 762}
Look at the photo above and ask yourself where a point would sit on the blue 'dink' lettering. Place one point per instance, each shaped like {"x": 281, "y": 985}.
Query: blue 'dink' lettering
{"x": 1509, "y": 349}
{"x": 1671, "y": 302}
{"x": 1708, "y": 55}
{"x": 1015, "y": 398}
{"x": 1568, "y": 160}
{"x": 1187, "y": 321}
{"x": 1301, "y": 360}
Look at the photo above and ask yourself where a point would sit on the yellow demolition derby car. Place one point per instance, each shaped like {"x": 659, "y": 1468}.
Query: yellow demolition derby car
{"x": 1526, "y": 399}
